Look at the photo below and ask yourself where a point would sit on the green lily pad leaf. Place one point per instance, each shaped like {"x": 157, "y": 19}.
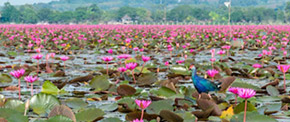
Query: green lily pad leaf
{"x": 164, "y": 91}
{"x": 269, "y": 99}
{"x": 245, "y": 85}
{"x": 252, "y": 117}
{"x": 89, "y": 114}
{"x": 129, "y": 101}
{"x": 131, "y": 60}
{"x": 59, "y": 118}
{"x": 15, "y": 105}
{"x": 75, "y": 103}
{"x": 100, "y": 83}
{"x": 187, "y": 117}
{"x": 5, "y": 79}
{"x": 43, "y": 103}
{"x": 241, "y": 107}
{"x": 272, "y": 90}
{"x": 12, "y": 53}
{"x": 179, "y": 70}
{"x": 49, "y": 88}
{"x": 145, "y": 70}
{"x": 156, "y": 106}
{"x": 109, "y": 107}
{"x": 147, "y": 79}
{"x": 287, "y": 76}
{"x": 270, "y": 107}
{"x": 12, "y": 115}
{"x": 111, "y": 120}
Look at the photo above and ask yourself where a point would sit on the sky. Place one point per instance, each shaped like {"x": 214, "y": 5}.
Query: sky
{"x": 22, "y": 2}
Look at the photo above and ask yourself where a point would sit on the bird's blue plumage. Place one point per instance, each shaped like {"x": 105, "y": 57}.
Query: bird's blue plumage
{"x": 201, "y": 84}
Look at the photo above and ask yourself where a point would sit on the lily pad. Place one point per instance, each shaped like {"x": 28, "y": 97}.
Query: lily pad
{"x": 49, "y": 88}
{"x": 164, "y": 91}
{"x": 62, "y": 110}
{"x": 126, "y": 90}
{"x": 147, "y": 79}
{"x": 241, "y": 107}
{"x": 111, "y": 120}
{"x": 59, "y": 118}
{"x": 252, "y": 117}
{"x": 100, "y": 83}
{"x": 109, "y": 107}
{"x": 15, "y": 105}
{"x": 12, "y": 115}
{"x": 245, "y": 85}
{"x": 89, "y": 114}
{"x": 170, "y": 116}
{"x": 5, "y": 79}
{"x": 75, "y": 103}
{"x": 43, "y": 103}
{"x": 157, "y": 106}
{"x": 272, "y": 90}
{"x": 180, "y": 70}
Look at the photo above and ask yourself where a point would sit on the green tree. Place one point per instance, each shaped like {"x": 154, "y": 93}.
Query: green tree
{"x": 28, "y": 14}
{"x": 10, "y": 13}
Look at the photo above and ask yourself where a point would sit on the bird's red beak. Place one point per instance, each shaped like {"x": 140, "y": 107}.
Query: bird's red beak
{"x": 190, "y": 67}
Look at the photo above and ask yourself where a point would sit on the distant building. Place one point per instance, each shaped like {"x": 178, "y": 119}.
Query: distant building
{"x": 127, "y": 20}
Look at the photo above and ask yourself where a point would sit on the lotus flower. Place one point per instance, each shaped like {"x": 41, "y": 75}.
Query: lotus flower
{"x": 107, "y": 59}
{"x": 31, "y": 79}
{"x": 18, "y": 74}
{"x": 143, "y": 104}
{"x": 246, "y": 94}
{"x": 132, "y": 66}
{"x": 284, "y": 69}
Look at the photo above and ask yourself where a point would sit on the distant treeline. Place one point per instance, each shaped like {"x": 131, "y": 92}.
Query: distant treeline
{"x": 183, "y": 13}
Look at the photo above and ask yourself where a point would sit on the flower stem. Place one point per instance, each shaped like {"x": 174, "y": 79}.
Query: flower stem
{"x": 63, "y": 66}
{"x": 284, "y": 81}
{"x": 31, "y": 89}
{"x": 19, "y": 90}
{"x": 236, "y": 99}
{"x": 142, "y": 114}
{"x": 37, "y": 66}
{"x": 245, "y": 112}
{"x": 142, "y": 67}
{"x": 108, "y": 68}
{"x": 133, "y": 76}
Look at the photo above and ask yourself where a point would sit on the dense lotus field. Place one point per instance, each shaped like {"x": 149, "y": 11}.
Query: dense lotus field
{"x": 117, "y": 73}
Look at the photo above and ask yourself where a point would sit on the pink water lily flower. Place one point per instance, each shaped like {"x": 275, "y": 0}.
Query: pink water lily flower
{"x": 37, "y": 56}
{"x": 131, "y": 66}
{"x": 17, "y": 73}
{"x": 110, "y": 51}
{"x": 221, "y": 52}
{"x": 212, "y": 72}
{"x": 234, "y": 90}
{"x": 256, "y": 65}
{"x": 107, "y": 58}
{"x": 143, "y": 104}
{"x": 145, "y": 58}
{"x": 246, "y": 93}
{"x": 124, "y": 56}
{"x": 30, "y": 79}
{"x": 284, "y": 69}
{"x": 122, "y": 69}
{"x": 64, "y": 58}
{"x": 137, "y": 120}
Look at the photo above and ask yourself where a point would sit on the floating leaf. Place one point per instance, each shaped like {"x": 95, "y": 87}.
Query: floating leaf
{"x": 164, "y": 91}
{"x": 129, "y": 102}
{"x": 75, "y": 103}
{"x": 272, "y": 90}
{"x": 43, "y": 103}
{"x": 111, "y": 120}
{"x": 100, "y": 83}
{"x": 5, "y": 79}
{"x": 49, "y": 88}
{"x": 179, "y": 70}
{"x": 126, "y": 90}
{"x": 147, "y": 79}
{"x": 245, "y": 85}
{"x": 15, "y": 105}
{"x": 170, "y": 116}
{"x": 62, "y": 110}
{"x": 89, "y": 114}
{"x": 187, "y": 117}
{"x": 59, "y": 118}
{"x": 109, "y": 107}
{"x": 252, "y": 117}
{"x": 157, "y": 106}
{"x": 12, "y": 115}
{"x": 241, "y": 107}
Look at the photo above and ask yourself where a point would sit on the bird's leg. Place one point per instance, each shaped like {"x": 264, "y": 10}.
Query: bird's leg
{"x": 199, "y": 96}
{"x": 209, "y": 96}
